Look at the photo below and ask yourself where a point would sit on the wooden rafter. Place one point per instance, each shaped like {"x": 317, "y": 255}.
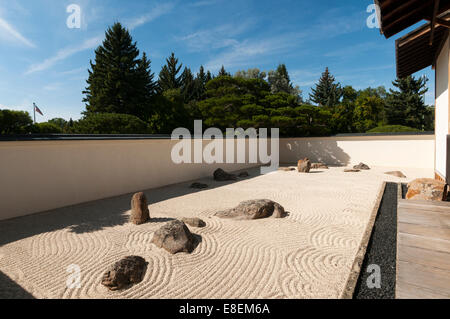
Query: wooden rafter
{"x": 433, "y": 20}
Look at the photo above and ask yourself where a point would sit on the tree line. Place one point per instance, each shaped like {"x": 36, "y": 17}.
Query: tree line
{"x": 123, "y": 96}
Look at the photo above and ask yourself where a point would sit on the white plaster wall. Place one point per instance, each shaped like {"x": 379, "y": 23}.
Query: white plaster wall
{"x": 442, "y": 116}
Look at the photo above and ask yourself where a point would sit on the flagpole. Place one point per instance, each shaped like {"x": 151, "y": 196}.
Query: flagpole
{"x": 34, "y": 113}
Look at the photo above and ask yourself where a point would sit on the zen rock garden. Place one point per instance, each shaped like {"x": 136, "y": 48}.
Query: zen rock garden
{"x": 175, "y": 237}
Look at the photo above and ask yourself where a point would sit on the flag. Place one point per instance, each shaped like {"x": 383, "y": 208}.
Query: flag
{"x": 37, "y": 109}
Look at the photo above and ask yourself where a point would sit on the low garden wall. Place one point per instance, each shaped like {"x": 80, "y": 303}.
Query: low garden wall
{"x": 39, "y": 175}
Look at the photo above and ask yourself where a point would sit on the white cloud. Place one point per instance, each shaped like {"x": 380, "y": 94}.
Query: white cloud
{"x": 203, "y": 3}
{"x": 7, "y": 31}
{"x": 64, "y": 54}
{"x": 248, "y": 52}
{"x": 157, "y": 11}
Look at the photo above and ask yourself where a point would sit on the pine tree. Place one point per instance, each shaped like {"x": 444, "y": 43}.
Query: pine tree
{"x": 119, "y": 82}
{"x": 188, "y": 85}
{"x": 280, "y": 82}
{"x": 406, "y": 105}
{"x": 223, "y": 72}
{"x": 200, "y": 83}
{"x": 327, "y": 92}
{"x": 168, "y": 77}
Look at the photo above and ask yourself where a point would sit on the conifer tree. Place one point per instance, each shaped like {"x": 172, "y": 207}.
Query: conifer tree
{"x": 119, "y": 82}
{"x": 280, "y": 82}
{"x": 168, "y": 77}
{"x": 327, "y": 92}
{"x": 406, "y": 106}
{"x": 188, "y": 85}
{"x": 223, "y": 72}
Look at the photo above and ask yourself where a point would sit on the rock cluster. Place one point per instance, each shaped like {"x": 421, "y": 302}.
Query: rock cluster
{"x": 127, "y": 271}
{"x": 254, "y": 209}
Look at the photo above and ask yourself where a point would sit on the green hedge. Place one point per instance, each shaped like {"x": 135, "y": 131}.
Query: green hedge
{"x": 393, "y": 129}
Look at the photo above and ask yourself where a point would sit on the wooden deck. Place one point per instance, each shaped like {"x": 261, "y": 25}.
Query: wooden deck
{"x": 423, "y": 250}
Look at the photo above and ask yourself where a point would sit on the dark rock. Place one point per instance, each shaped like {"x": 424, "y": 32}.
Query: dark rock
{"x": 194, "y": 222}
{"x": 396, "y": 174}
{"x": 199, "y": 186}
{"x": 362, "y": 166}
{"x": 139, "y": 209}
{"x": 127, "y": 271}
{"x": 352, "y": 170}
{"x": 174, "y": 237}
{"x": 426, "y": 189}
{"x": 221, "y": 176}
{"x": 319, "y": 166}
{"x": 286, "y": 169}
{"x": 244, "y": 174}
{"x": 254, "y": 209}
{"x": 304, "y": 166}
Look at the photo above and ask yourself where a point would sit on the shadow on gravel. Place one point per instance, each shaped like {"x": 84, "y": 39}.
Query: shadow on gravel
{"x": 10, "y": 290}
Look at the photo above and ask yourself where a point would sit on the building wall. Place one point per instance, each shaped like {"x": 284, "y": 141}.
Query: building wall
{"x": 36, "y": 176}
{"x": 442, "y": 110}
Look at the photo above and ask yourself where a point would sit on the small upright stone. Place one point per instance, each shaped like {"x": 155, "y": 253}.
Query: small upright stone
{"x": 304, "y": 166}
{"x": 362, "y": 166}
{"x": 174, "y": 237}
{"x": 221, "y": 176}
{"x": 139, "y": 209}
{"x": 127, "y": 271}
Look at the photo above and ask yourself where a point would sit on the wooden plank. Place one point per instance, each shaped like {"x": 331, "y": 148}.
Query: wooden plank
{"x": 423, "y": 242}
{"x": 434, "y": 279}
{"x": 408, "y": 291}
{"x": 424, "y": 217}
{"x": 425, "y": 231}
{"x": 424, "y": 204}
{"x": 424, "y": 257}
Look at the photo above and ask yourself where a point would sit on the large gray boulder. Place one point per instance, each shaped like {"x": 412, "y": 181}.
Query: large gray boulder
{"x": 127, "y": 271}
{"x": 254, "y": 209}
{"x": 174, "y": 237}
{"x": 221, "y": 176}
{"x": 139, "y": 209}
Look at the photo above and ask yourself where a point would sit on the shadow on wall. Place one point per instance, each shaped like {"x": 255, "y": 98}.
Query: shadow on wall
{"x": 327, "y": 152}
{"x": 100, "y": 214}
{"x": 10, "y": 290}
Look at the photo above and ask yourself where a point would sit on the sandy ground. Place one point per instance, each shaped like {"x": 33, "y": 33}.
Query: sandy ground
{"x": 309, "y": 254}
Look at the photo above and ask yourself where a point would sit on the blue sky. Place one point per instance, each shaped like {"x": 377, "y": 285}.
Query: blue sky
{"x": 44, "y": 61}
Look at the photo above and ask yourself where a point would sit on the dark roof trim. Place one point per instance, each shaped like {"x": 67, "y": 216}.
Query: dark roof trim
{"x": 398, "y": 15}
{"x": 78, "y": 137}
{"x": 414, "y": 52}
